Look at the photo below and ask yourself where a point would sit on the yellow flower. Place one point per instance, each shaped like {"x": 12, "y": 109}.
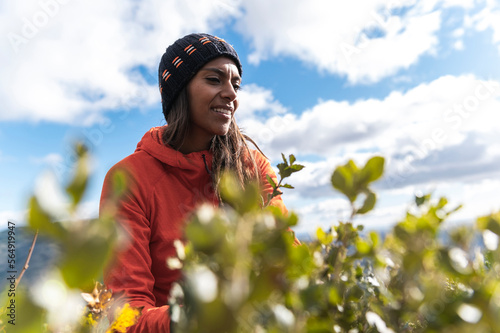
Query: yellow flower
{"x": 90, "y": 320}
{"x": 125, "y": 317}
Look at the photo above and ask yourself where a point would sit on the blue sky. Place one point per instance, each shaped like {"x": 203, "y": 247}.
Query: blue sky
{"x": 417, "y": 82}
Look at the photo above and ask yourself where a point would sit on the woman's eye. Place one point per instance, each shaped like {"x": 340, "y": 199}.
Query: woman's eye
{"x": 213, "y": 79}
{"x": 236, "y": 87}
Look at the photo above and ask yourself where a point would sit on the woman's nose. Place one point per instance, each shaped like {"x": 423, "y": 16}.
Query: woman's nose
{"x": 229, "y": 92}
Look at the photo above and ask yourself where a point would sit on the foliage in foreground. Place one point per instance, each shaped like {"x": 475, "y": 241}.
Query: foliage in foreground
{"x": 68, "y": 298}
{"x": 242, "y": 272}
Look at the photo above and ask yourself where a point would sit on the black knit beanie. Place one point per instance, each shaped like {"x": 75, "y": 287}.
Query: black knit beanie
{"x": 184, "y": 58}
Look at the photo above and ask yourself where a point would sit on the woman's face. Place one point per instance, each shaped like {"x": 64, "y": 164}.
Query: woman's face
{"x": 213, "y": 99}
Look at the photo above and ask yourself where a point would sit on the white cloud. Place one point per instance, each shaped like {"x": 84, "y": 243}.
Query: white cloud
{"x": 343, "y": 38}
{"x": 457, "y": 33}
{"x": 18, "y": 217}
{"x": 88, "y": 210}
{"x": 324, "y": 214}
{"x": 440, "y": 135}
{"x": 478, "y": 197}
{"x": 51, "y": 159}
{"x": 458, "y": 45}
{"x": 459, "y": 3}
{"x": 70, "y": 61}
{"x": 257, "y": 102}
{"x": 439, "y": 131}
{"x": 489, "y": 18}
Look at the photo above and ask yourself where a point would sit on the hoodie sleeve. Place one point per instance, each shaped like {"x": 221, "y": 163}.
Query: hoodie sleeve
{"x": 130, "y": 271}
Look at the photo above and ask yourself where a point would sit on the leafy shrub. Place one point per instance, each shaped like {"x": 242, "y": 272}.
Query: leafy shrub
{"x": 55, "y": 302}
{"x": 243, "y": 272}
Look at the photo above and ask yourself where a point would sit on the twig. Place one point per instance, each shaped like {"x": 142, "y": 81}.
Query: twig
{"x": 27, "y": 259}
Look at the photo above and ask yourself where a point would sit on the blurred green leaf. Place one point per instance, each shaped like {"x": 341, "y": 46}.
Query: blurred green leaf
{"x": 323, "y": 237}
{"x": 38, "y": 219}
{"x": 363, "y": 247}
{"x": 78, "y": 184}
{"x": 83, "y": 261}
{"x": 372, "y": 170}
{"x": 342, "y": 181}
{"x": 422, "y": 199}
{"x": 490, "y": 222}
{"x": 368, "y": 203}
{"x": 243, "y": 201}
{"x": 120, "y": 182}
{"x": 374, "y": 238}
{"x": 26, "y": 316}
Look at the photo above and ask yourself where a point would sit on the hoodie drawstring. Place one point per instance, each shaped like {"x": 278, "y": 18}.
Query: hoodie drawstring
{"x": 206, "y": 165}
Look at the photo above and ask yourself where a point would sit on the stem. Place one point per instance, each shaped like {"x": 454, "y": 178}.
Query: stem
{"x": 353, "y": 212}
{"x": 337, "y": 267}
{"x": 273, "y": 195}
{"x": 27, "y": 259}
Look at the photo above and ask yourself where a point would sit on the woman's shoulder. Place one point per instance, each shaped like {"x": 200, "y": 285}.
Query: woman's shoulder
{"x": 138, "y": 165}
{"x": 259, "y": 157}
{"x": 257, "y": 153}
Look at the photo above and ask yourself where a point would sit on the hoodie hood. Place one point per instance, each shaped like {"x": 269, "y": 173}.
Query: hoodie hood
{"x": 152, "y": 144}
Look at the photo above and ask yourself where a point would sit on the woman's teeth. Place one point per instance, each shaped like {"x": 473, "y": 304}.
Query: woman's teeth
{"x": 224, "y": 111}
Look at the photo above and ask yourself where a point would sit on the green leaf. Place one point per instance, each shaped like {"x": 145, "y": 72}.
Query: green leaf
{"x": 296, "y": 167}
{"x": 442, "y": 202}
{"x": 339, "y": 180}
{"x": 77, "y": 186}
{"x": 29, "y": 317}
{"x": 368, "y": 204}
{"x": 490, "y": 222}
{"x": 293, "y": 219}
{"x": 284, "y": 159}
{"x": 287, "y": 186}
{"x": 205, "y": 238}
{"x": 420, "y": 200}
{"x": 292, "y": 159}
{"x": 363, "y": 247}
{"x": 286, "y": 172}
{"x": 333, "y": 296}
{"x": 83, "y": 260}
{"x": 242, "y": 200}
{"x": 342, "y": 180}
{"x": 323, "y": 237}
{"x": 374, "y": 238}
{"x": 271, "y": 181}
{"x": 372, "y": 170}
{"x": 119, "y": 183}
{"x": 39, "y": 219}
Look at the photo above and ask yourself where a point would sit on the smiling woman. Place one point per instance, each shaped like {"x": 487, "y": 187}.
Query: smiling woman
{"x": 177, "y": 167}
{"x": 213, "y": 100}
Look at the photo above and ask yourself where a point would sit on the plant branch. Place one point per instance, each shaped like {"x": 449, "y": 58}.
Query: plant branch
{"x": 27, "y": 259}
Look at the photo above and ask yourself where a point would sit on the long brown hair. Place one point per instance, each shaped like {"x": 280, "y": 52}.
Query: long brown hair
{"x": 230, "y": 151}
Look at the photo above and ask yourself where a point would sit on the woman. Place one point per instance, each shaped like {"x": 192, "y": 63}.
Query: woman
{"x": 177, "y": 167}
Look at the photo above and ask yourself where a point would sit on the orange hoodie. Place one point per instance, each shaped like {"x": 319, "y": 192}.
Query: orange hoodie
{"x": 163, "y": 187}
